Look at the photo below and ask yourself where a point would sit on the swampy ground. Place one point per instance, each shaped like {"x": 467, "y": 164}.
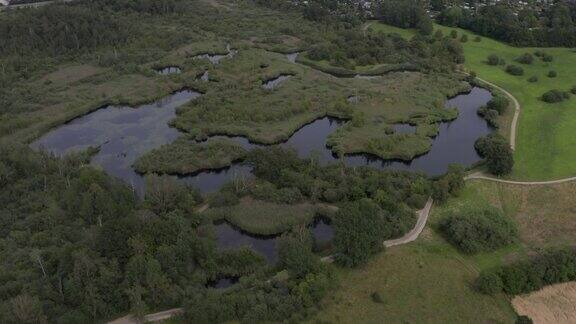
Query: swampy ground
{"x": 544, "y": 148}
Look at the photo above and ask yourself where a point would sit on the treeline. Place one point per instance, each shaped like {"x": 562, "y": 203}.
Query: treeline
{"x": 520, "y": 277}
{"x": 554, "y": 27}
{"x": 341, "y": 13}
{"x": 404, "y": 14}
{"x": 352, "y": 48}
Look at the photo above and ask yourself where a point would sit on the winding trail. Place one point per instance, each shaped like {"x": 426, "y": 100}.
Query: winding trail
{"x": 481, "y": 176}
{"x": 415, "y": 232}
{"x": 517, "y": 109}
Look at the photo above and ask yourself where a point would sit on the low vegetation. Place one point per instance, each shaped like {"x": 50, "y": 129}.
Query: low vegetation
{"x": 187, "y": 157}
{"x": 554, "y": 96}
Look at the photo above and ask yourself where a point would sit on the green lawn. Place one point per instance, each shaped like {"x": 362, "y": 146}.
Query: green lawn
{"x": 545, "y": 142}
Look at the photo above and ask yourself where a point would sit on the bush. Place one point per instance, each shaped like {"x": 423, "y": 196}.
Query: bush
{"x": 547, "y": 58}
{"x": 358, "y": 232}
{"x": 376, "y": 298}
{"x": 524, "y": 276}
{"x": 478, "y": 39}
{"x": 489, "y": 283}
{"x": 474, "y": 230}
{"x": 464, "y": 38}
{"x": 493, "y": 59}
{"x": 554, "y": 96}
{"x": 454, "y": 34}
{"x": 525, "y": 58}
{"x": 514, "y": 70}
{"x": 573, "y": 90}
{"x": 497, "y": 152}
{"x": 552, "y": 74}
{"x": 498, "y": 103}
{"x": 533, "y": 79}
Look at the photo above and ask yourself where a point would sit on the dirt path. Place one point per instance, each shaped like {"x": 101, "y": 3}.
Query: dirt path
{"x": 481, "y": 176}
{"x": 517, "y": 109}
{"x": 150, "y": 318}
{"x": 415, "y": 232}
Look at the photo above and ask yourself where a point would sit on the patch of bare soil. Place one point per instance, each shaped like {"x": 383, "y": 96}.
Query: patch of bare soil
{"x": 553, "y": 304}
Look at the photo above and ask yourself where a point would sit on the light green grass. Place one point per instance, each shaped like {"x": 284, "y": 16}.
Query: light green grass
{"x": 545, "y": 142}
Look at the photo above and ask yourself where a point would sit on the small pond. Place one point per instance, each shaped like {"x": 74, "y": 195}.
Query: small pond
{"x": 273, "y": 83}
{"x": 169, "y": 70}
{"x": 216, "y": 58}
{"x": 292, "y": 57}
{"x": 404, "y": 129}
{"x": 229, "y": 236}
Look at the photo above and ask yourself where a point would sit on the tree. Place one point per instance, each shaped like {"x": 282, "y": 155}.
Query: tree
{"x": 554, "y": 96}
{"x": 493, "y": 59}
{"x": 552, "y": 74}
{"x": 358, "y": 232}
{"x": 454, "y": 34}
{"x": 464, "y": 38}
{"x": 497, "y": 152}
{"x": 525, "y": 58}
{"x": 514, "y": 70}
{"x": 295, "y": 253}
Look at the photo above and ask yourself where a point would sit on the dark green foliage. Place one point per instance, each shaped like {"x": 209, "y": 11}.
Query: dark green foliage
{"x": 555, "y": 96}
{"x": 553, "y": 26}
{"x": 547, "y": 58}
{"x": 552, "y": 74}
{"x": 524, "y": 276}
{"x": 359, "y": 229}
{"x": 451, "y": 184}
{"x": 474, "y": 230}
{"x": 533, "y": 79}
{"x": 489, "y": 283}
{"x": 454, "y": 34}
{"x": 525, "y": 58}
{"x": 477, "y": 39}
{"x": 494, "y": 59}
{"x": 295, "y": 253}
{"x": 573, "y": 90}
{"x": 464, "y": 38}
{"x": 224, "y": 198}
{"x": 376, "y": 297}
{"x": 404, "y": 14}
{"x": 498, "y": 103}
{"x": 514, "y": 70}
{"x": 523, "y": 319}
{"x": 497, "y": 152}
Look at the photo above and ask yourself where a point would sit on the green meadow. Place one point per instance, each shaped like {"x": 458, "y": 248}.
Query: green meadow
{"x": 545, "y": 142}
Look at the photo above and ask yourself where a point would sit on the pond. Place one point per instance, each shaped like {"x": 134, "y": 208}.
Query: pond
{"x": 169, "y": 70}
{"x": 122, "y": 133}
{"x": 216, "y": 58}
{"x": 229, "y": 236}
{"x": 273, "y": 83}
{"x": 292, "y": 57}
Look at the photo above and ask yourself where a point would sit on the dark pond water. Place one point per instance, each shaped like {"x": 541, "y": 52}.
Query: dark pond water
{"x": 273, "y": 83}
{"x": 123, "y": 134}
{"x": 404, "y": 129}
{"x": 169, "y": 70}
{"x": 216, "y": 58}
{"x": 223, "y": 283}
{"x": 229, "y": 236}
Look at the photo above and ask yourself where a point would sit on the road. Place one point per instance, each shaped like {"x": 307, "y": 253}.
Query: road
{"x": 481, "y": 176}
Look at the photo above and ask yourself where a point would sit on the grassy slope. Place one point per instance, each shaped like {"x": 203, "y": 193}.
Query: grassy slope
{"x": 545, "y": 140}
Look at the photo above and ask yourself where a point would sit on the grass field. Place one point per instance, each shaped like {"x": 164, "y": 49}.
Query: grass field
{"x": 545, "y": 142}
{"x": 424, "y": 282}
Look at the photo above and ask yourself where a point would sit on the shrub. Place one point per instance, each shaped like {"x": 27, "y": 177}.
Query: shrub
{"x": 552, "y": 74}
{"x": 498, "y": 103}
{"x": 376, "y": 298}
{"x": 514, "y": 70}
{"x": 489, "y": 283}
{"x": 474, "y": 230}
{"x": 493, "y": 59}
{"x": 525, "y": 58}
{"x": 554, "y": 96}
{"x": 464, "y": 38}
{"x": 478, "y": 39}
{"x": 547, "y": 58}
{"x": 497, "y": 152}
{"x": 573, "y": 90}
{"x": 533, "y": 79}
{"x": 358, "y": 232}
{"x": 524, "y": 276}
{"x": 454, "y": 34}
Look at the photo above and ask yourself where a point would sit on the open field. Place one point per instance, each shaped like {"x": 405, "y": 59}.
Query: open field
{"x": 544, "y": 148}
{"x": 551, "y": 305}
{"x": 424, "y": 282}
